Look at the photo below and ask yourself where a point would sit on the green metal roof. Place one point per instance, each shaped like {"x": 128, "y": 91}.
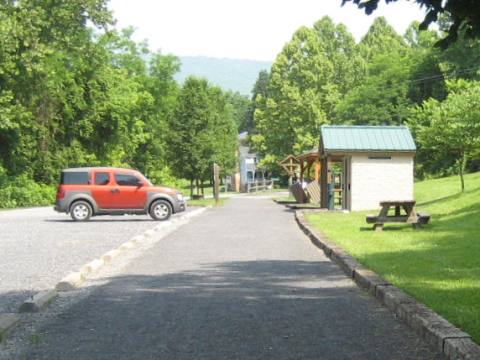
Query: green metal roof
{"x": 367, "y": 138}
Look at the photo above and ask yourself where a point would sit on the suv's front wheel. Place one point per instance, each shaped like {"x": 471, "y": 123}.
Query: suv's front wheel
{"x": 160, "y": 210}
{"x": 80, "y": 211}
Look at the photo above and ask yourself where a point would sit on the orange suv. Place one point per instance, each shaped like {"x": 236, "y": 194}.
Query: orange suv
{"x": 84, "y": 192}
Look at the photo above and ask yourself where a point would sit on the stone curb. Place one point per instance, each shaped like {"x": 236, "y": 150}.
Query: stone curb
{"x": 7, "y": 322}
{"x": 445, "y": 337}
{"x": 74, "y": 280}
{"x": 139, "y": 238}
{"x": 109, "y": 256}
{"x": 127, "y": 245}
{"x": 70, "y": 282}
{"x": 38, "y": 301}
{"x": 92, "y": 267}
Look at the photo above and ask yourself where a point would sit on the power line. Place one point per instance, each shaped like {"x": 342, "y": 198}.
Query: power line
{"x": 444, "y": 76}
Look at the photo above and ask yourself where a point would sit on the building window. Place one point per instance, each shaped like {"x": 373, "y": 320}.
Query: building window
{"x": 380, "y": 157}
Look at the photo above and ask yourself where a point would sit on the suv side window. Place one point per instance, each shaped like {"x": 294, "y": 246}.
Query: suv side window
{"x": 126, "y": 180}
{"x": 102, "y": 178}
{"x": 75, "y": 178}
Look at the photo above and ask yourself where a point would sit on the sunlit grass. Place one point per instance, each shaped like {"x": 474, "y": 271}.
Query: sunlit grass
{"x": 206, "y": 202}
{"x": 439, "y": 264}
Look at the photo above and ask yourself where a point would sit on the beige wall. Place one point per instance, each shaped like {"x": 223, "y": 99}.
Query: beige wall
{"x": 375, "y": 180}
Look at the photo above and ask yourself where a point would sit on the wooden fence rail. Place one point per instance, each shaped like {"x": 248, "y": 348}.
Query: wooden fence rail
{"x": 262, "y": 185}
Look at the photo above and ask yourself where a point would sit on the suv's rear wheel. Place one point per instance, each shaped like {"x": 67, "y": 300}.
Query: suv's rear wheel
{"x": 80, "y": 211}
{"x": 160, "y": 210}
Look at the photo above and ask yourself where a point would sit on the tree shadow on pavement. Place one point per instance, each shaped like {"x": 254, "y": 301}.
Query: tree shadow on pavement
{"x": 231, "y": 310}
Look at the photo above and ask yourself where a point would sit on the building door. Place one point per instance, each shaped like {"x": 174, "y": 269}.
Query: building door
{"x": 347, "y": 180}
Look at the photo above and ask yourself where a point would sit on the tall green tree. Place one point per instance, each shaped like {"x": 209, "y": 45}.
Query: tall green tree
{"x": 75, "y": 93}
{"x": 260, "y": 90}
{"x": 240, "y": 106}
{"x": 427, "y": 75}
{"x": 452, "y": 126}
{"x": 308, "y": 79}
{"x": 381, "y": 39}
{"x": 45, "y": 62}
{"x": 202, "y": 132}
{"x": 382, "y": 98}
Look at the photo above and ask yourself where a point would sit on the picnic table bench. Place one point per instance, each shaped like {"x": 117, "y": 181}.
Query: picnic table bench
{"x": 410, "y": 216}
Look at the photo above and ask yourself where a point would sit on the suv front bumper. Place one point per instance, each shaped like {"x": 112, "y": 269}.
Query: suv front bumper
{"x": 179, "y": 206}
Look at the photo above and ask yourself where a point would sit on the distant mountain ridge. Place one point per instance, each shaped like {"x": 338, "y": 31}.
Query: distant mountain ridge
{"x": 229, "y": 74}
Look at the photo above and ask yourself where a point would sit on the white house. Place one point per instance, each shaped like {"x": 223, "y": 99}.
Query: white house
{"x": 247, "y": 163}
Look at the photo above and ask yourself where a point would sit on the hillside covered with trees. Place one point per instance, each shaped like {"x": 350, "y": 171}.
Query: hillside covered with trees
{"x": 234, "y": 75}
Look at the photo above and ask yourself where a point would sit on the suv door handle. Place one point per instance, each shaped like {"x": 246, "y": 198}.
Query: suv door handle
{"x": 114, "y": 191}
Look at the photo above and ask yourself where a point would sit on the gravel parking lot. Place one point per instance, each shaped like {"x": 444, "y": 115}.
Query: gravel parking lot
{"x": 39, "y": 247}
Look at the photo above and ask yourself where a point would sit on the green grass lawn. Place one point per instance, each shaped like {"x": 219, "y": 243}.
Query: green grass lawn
{"x": 205, "y": 202}
{"x": 440, "y": 264}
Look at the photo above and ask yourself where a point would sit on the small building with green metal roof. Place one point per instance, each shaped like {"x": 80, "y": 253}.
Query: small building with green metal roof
{"x": 366, "y": 165}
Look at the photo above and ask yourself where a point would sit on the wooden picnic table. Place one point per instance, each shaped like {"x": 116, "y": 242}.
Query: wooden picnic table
{"x": 410, "y": 216}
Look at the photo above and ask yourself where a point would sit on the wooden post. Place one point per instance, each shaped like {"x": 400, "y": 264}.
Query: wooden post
{"x": 317, "y": 170}
{"x": 302, "y": 169}
{"x": 324, "y": 182}
{"x": 216, "y": 183}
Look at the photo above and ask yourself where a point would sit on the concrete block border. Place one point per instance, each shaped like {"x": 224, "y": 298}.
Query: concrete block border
{"x": 74, "y": 280}
{"x": 39, "y": 301}
{"x": 71, "y": 281}
{"x": 445, "y": 337}
{"x": 7, "y": 323}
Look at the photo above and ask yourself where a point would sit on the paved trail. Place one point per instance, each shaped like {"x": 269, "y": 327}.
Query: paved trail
{"x": 239, "y": 282}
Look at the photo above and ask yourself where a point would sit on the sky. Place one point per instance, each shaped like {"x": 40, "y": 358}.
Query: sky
{"x": 246, "y": 29}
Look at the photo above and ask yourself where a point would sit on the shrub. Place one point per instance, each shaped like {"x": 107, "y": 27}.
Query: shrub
{"x": 21, "y": 191}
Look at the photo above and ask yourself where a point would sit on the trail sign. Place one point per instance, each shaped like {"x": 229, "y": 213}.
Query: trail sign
{"x": 290, "y": 164}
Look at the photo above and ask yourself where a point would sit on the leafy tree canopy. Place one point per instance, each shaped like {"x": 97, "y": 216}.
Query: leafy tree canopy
{"x": 309, "y": 77}
{"x": 465, "y": 15}
{"x": 452, "y": 126}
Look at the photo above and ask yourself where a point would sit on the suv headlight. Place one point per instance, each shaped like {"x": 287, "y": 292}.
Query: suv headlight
{"x": 180, "y": 196}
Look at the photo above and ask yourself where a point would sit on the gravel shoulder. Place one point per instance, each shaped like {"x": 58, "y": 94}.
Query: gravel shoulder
{"x": 39, "y": 247}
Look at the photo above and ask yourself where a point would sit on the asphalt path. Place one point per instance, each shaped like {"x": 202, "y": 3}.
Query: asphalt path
{"x": 239, "y": 282}
{"x": 39, "y": 246}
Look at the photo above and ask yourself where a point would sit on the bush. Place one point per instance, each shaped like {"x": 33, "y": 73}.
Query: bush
{"x": 22, "y": 192}
{"x": 165, "y": 177}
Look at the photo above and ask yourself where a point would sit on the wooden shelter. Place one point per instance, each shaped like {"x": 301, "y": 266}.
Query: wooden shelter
{"x": 307, "y": 160}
